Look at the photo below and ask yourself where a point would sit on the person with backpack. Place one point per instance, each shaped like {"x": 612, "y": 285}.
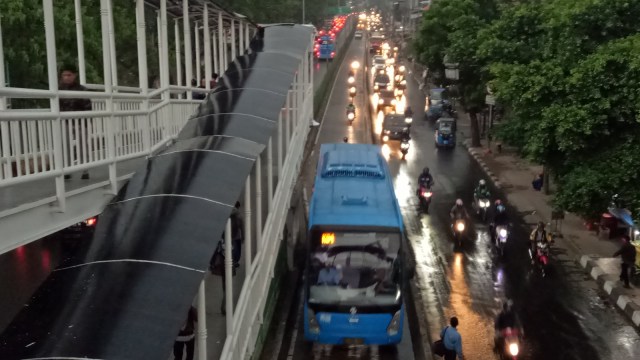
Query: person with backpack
{"x": 450, "y": 343}
{"x": 186, "y": 337}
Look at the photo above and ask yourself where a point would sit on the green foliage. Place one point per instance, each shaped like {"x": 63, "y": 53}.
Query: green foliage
{"x": 569, "y": 75}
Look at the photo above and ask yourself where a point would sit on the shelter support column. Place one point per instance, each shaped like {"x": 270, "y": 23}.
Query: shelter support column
{"x": 198, "y": 68}
{"x": 207, "y": 48}
{"x": 82, "y": 68}
{"x": 202, "y": 322}
{"x": 232, "y": 28}
{"x": 186, "y": 32}
{"x": 176, "y": 26}
{"x": 228, "y": 277}
{"x": 143, "y": 77}
{"x": 54, "y": 102}
{"x": 247, "y": 226}
{"x": 258, "y": 203}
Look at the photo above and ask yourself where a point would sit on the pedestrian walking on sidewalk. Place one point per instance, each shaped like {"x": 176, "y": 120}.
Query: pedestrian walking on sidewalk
{"x": 186, "y": 337}
{"x": 452, "y": 340}
{"x": 628, "y": 254}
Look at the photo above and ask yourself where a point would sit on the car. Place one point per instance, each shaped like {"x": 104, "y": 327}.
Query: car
{"x": 379, "y": 63}
{"x": 358, "y": 35}
{"x": 445, "y": 135}
{"x": 434, "y": 104}
{"x": 381, "y": 82}
{"x": 83, "y": 229}
{"x": 394, "y": 128}
{"x": 386, "y": 99}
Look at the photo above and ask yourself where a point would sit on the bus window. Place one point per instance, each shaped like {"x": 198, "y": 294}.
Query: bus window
{"x": 355, "y": 268}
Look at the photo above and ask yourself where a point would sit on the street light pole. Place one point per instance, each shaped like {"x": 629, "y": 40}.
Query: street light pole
{"x": 303, "y": 11}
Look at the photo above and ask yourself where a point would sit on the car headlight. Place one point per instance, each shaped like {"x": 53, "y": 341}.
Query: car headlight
{"x": 380, "y": 101}
{"x": 503, "y": 233}
{"x": 403, "y": 82}
{"x": 376, "y": 87}
{"x": 402, "y": 68}
{"x": 385, "y": 138}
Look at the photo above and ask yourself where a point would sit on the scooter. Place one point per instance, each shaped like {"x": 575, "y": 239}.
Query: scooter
{"x": 541, "y": 257}
{"x": 458, "y": 227}
{"x": 352, "y": 92}
{"x": 351, "y": 115}
{"x": 482, "y": 205}
{"x": 404, "y": 148}
{"x": 510, "y": 346}
{"x": 424, "y": 196}
{"x": 501, "y": 236}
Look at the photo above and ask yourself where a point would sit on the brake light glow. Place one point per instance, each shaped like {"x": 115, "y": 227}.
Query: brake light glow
{"x": 92, "y": 221}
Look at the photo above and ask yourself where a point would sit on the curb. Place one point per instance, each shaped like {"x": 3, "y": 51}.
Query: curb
{"x": 612, "y": 288}
{"x": 475, "y": 153}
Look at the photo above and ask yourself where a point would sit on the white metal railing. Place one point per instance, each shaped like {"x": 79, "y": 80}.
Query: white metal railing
{"x": 293, "y": 129}
{"x": 41, "y": 143}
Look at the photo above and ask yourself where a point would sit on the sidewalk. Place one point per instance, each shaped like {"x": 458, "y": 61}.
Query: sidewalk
{"x": 514, "y": 175}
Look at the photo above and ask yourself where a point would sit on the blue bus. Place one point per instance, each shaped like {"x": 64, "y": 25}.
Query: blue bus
{"x": 355, "y": 273}
{"x": 326, "y": 47}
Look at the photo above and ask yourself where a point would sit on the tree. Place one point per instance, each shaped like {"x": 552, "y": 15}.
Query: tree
{"x": 451, "y": 28}
{"x": 564, "y": 71}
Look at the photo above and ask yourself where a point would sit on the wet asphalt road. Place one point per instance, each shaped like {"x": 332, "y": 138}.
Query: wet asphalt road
{"x": 565, "y": 317}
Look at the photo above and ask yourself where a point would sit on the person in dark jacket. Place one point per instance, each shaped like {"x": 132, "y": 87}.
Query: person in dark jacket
{"x": 186, "y": 336}
{"x": 628, "y": 254}
{"x": 69, "y": 82}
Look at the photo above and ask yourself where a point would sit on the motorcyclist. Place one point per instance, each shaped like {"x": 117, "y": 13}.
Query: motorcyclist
{"x": 538, "y": 235}
{"x": 506, "y": 319}
{"x": 351, "y": 108}
{"x": 458, "y": 211}
{"x": 481, "y": 191}
{"x": 500, "y": 217}
{"x": 425, "y": 179}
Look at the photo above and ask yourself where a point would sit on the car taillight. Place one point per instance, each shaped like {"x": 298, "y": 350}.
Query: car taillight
{"x": 92, "y": 221}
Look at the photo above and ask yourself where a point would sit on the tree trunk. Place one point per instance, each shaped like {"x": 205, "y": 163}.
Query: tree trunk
{"x": 545, "y": 178}
{"x": 475, "y": 130}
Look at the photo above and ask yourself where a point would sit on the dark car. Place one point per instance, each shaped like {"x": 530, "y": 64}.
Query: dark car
{"x": 83, "y": 229}
{"x": 386, "y": 99}
{"x": 381, "y": 82}
{"x": 435, "y": 103}
{"x": 394, "y": 128}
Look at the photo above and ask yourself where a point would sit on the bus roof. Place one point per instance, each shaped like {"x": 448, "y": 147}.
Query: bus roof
{"x": 353, "y": 186}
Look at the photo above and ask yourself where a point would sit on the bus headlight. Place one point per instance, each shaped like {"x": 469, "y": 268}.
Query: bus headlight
{"x": 314, "y": 327}
{"x": 394, "y": 325}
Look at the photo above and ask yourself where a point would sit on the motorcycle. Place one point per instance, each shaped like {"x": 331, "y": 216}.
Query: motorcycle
{"x": 501, "y": 236}
{"x": 482, "y": 205}
{"x": 459, "y": 227}
{"x": 404, "y": 148}
{"x": 351, "y": 115}
{"x": 541, "y": 257}
{"x": 352, "y": 91}
{"x": 424, "y": 196}
{"x": 510, "y": 347}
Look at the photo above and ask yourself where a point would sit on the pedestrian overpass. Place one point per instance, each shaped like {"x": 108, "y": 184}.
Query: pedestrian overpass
{"x": 158, "y": 159}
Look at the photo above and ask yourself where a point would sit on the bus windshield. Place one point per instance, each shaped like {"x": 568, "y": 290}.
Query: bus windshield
{"x": 355, "y": 268}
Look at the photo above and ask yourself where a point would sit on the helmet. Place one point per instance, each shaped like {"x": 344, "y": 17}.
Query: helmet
{"x": 541, "y": 224}
{"x": 500, "y": 208}
{"x": 482, "y": 182}
{"x": 425, "y": 170}
{"x": 459, "y": 202}
{"x": 507, "y": 305}
{"x": 498, "y": 202}
{"x": 345, "y": 139}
